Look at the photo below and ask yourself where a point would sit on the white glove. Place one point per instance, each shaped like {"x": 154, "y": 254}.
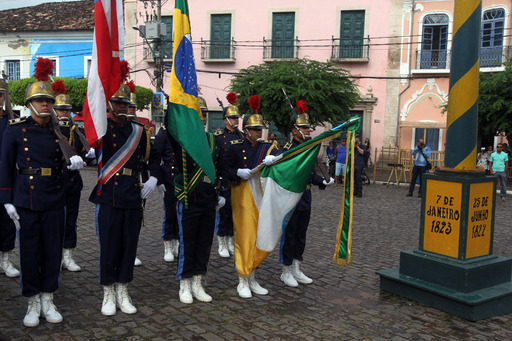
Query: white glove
{"x": 220, "y": 203}
{"x": 269, "y": 160}
{"x": 148, "y": 187}
{"x": 13, "y": 214}
{"x": 76, "y": 163}
{"x": 161, "y": 190}
{"x": 91, "y": 154}
{"x": 331, "y": 182}
{"x": 244, "y": 173}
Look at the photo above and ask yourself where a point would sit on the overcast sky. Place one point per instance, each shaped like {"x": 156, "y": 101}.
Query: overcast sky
{"x": 8, "y": 4}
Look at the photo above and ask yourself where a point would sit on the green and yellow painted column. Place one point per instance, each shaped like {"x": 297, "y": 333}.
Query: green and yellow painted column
{"x": 462, "y": 121}
{"x": 454, "y": 268}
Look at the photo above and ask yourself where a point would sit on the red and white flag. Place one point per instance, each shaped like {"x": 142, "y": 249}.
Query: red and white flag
{"x": 105, "y": 71}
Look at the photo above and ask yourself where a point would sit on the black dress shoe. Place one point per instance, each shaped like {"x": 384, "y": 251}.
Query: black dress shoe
{"x": 408, "y": 195}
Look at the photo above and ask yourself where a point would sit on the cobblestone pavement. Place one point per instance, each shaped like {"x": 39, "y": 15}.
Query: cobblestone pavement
{"x": 342, "y": 302}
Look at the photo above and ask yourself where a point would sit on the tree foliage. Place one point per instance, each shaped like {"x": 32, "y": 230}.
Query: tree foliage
{"x": 495, "y": 103}
{"x": 327, "y": 89}
{"x": 77, "y": 88}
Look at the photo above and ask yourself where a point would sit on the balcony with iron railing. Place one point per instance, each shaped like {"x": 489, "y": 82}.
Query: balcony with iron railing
{"x": 218, "y": 51}
{"x": 280, "y": 49}
{"x": 343, "y": 53}
{"x": 490, "y": 57}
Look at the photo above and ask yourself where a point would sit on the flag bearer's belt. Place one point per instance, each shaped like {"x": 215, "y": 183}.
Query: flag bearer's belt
{"x": 40, "y": 171}
{"x": 127, "y": 172}
{"x": 308, "y": 187}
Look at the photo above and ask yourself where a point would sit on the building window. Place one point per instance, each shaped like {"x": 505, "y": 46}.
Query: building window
{"x": 433, "y": 54}
{"x": 220, "y": 36}
{"x": 491, "y": 51}
{"x": 283, "y": 33}
{"x": 12, "y": 68}
{"x": 352, "y": 34}
{"x": 167, "y": 39}
{"x": 429, "y": 135}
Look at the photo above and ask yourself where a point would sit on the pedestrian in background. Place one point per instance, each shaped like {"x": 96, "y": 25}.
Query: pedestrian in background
{"x": 331, "y": 158}
{"x": 341, "y": 159}
{"x": 498, "y": 164}
{"x": 360, "y": 152}
{"x": 422, "y": 153}
{"x": 482, "y": 160}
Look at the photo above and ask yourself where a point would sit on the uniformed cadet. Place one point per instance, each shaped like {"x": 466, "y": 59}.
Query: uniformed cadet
{"x": 125, "y": 150}
{"x": 74, "y": 183}
{"x": 224, "y": 228}
{"x": 7, "y": 229}
{"x": 242, "y": 156}
{"x": 197, "y": 219}
{"x": 32, "y": 189}
{"x": 170, "y": 230}
{"x": 293, "y": 240}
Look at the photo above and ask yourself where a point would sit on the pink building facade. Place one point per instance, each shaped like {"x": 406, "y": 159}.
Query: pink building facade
{"x": 231, "y": 35}
{"x": 425, "y": 60}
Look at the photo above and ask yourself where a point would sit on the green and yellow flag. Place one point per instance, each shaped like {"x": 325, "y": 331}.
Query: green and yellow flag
{"x": 184, "y": 120}
{"x": 343, "y": 247}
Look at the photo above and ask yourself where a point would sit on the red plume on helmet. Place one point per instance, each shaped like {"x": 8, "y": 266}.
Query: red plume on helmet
{"x": 231, "y": 97}
{"x": 302, "y": 106}
{"x": 125, "y": 71}
{"x": 59, "y": 87}
{"x": 43, "y": 69}
{"x": 254, "y": 103}
{"x": 131, "y": 85}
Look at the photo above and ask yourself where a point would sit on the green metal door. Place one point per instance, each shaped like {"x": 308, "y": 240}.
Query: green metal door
{"x": 167, "y": 39}
{"x": 215, "y": 121}
{"x": 220, "y": 36}
{"x": 352, "y": 34}
{"x": 283, "y": 33}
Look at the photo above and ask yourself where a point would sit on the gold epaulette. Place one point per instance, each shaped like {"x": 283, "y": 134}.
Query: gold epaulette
{"x": 163, "y": 127}
{"x": 218, "y": 133}
{"x": 64, "y": 124}
{"x": 239, "y": 141}
{"x": 288, "y": 146}
{"x": 17, "y": 120}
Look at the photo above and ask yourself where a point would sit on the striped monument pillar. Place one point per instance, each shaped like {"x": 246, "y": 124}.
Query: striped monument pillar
{"x": 462, "y": 120}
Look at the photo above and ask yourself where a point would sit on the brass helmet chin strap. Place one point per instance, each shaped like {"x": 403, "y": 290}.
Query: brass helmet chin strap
{"x": 249, "y": 135}
{"x": 38, "y": 114}
{"x": 304, "y": 137}
{"x": 115, "y": 113}
{"x": 233, "y": 126}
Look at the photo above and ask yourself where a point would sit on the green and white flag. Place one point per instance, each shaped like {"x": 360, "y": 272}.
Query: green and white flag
{"x": 281, "y": 186}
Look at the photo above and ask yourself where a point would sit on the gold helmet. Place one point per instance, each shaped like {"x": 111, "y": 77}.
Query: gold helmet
{"x": 133, "y": 100}
{"x": 301, "y": 120}
{"x": 231, "y": 112}
{"x": 2, "y": 86}
{"x": 122, "y": 94}
{"x": 63, "y": 101}
{"x": 202, "y": 104}
{"x": 39, "y": 90}
{"x": 254, "y": 121}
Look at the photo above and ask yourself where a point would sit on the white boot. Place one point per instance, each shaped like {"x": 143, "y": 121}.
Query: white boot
{"x": 68, "y": 262}
{"x": 137, "y": 262}
{"x": 6, "y": 265}
{"x": 33, "y": 312}
{"x": 168, "y": 254}
{"x": 185, "y": 291}
{"x": 223, "y": 250}
{"x": 123, "y": 300}
{"x": 287, "y": 277}
{"x": 48, "y": 309}
{"x": 298, "y": 274}
{"x": 176, "y": 247}
{"x": 231, "y": 245}
{"x": 255, "y": 286}
{"x": 243, "y": 287}
{"x": 198, "y": 290}
{"x": 108, "y": 308}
